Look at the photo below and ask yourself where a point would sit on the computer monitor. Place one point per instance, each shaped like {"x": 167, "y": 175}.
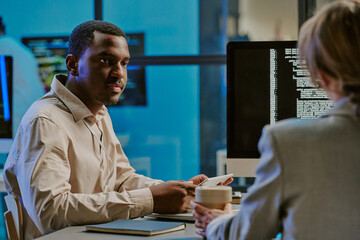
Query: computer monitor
{"x": 50, "y": 53}
{"x": 6, "y": 83}
{"x": 135, "y": 91}
{"x": 266, "y": 83}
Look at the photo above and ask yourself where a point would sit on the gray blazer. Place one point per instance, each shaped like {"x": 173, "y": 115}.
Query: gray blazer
{"x": 307, "y": 183}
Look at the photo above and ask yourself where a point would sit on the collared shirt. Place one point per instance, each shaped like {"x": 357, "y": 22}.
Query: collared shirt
{"x": 59, "y": 168}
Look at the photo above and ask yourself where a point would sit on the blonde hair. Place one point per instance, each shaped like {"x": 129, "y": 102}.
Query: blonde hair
{"x": 330, "y": 42}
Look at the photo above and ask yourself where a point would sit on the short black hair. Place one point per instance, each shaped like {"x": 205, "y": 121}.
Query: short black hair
{"x": 83, "y": 35}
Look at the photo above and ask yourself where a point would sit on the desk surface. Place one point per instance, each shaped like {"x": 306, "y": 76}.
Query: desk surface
{"x": 79, "y": 233}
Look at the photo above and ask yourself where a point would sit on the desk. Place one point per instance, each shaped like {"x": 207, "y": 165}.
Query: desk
{"x": 79, "y": 233}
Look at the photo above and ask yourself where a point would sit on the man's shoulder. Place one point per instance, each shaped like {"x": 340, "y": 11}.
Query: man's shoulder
{"x": 48, "y": 107}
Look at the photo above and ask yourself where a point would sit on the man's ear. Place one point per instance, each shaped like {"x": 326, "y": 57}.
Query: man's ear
{"x": 72, "y": 64}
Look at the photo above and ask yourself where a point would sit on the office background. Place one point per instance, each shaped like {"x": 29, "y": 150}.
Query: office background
{"x": 177, "y": 132}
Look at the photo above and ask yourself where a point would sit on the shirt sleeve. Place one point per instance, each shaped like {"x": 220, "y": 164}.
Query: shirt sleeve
{"x": 126, "y": 178}
{"x": 137, "y": 181}
{"x": 259, "y": 216}
{"x": 43, "y": 172}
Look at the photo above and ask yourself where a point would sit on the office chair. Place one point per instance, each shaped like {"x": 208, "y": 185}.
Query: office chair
{"x": 13, "y": 217}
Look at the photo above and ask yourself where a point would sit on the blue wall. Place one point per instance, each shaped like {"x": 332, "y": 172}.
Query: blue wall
{"x": 171, "y": 27}
{"x": 167, "y": 129}
{"x": 44, "y": 17}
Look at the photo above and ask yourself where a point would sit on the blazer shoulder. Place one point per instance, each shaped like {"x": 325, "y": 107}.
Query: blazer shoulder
{"x": 294, "y": 125}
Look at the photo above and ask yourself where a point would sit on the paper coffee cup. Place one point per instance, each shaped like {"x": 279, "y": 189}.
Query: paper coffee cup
{"x": 213, "y": 196}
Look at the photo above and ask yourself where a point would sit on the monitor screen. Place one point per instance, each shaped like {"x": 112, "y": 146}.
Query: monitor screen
{"x": 6, "y": 73}
{"x": 135, "y": 91}
{"x": 50, "y": 52}
{"x": 266, "y": 83}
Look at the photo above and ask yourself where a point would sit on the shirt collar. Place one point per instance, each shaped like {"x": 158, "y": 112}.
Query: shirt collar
{"x": 342, "y": 107}
{"x": 77, "y": 108}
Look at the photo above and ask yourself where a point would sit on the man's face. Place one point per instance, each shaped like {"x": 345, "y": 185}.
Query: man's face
{"x": 102, "y": 70}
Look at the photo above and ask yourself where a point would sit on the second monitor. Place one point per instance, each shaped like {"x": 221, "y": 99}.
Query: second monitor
{"x": 266, "y": 83}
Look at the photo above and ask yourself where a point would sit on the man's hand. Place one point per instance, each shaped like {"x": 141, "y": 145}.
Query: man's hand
{"x": 204, "y": 216}
{"x": 198, "y": 179}
{"x": 227, "y": 182}
{"x": 172, "y": 196}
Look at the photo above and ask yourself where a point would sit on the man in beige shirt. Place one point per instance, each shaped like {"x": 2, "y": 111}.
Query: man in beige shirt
{"x": 66, "y": 164}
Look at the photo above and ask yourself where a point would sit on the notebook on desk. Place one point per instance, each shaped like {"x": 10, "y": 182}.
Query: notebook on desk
{"x": 136, "y": 227}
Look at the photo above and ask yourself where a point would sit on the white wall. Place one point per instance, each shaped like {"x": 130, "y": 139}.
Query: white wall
{"x": 265, "y": 20}
{"x": 321, "y": 3}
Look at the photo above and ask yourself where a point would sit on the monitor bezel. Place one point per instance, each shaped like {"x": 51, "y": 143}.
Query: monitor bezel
{"x": 9, "y": 60}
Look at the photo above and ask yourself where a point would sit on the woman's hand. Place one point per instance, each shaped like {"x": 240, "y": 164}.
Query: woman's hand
{"x": 204, "y": 215}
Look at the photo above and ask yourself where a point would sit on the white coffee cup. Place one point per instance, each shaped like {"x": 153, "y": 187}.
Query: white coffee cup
{"x": 213, "y": 196}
